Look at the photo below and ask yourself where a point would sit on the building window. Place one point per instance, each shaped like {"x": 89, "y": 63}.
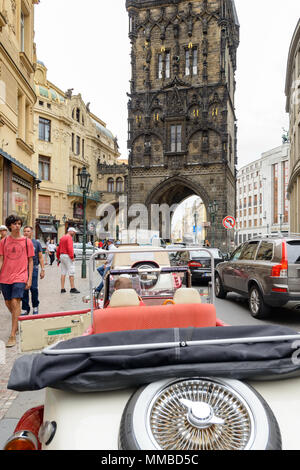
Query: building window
{"x": 119, "y": 185}
{"x": 44, "y": 205}
{"x": 275, "y": 197}
{"x": 160, "y": 66}
{"x": 22, "y": 32}
{"x": 110, "y": 185}
{"x": 285, "y": 170}
{"x": 176, "y": 135}
{"x": 168, "y": 64}
{"x": 77, "y": 114}
{"x": 187, "y": 62}
{"x": 77, "y": 145}
{"x": 44, "y": 129}
{"x": 83, "y": 148}
{"x": 195, "y": 61}
{"x": 44, "y": 168}
{"x": 73, "y": 142}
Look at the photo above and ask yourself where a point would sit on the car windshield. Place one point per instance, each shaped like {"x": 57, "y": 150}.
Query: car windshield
{"x": 204, "y": 254}
{"x": 150, "y": 284}
{"x": 293, "y": 251}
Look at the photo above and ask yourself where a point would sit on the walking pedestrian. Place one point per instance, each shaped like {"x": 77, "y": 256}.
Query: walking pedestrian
{"x": 38, "y": 259}
{"x": 51, "y": 251}
{"x": 102, "y": 270}
{"x": 16, "y": 266}
{"x": 65, "y": 256}
{"x": 3, "y": 231}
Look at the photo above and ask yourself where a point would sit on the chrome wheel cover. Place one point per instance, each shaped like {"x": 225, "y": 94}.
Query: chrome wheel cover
{"x": 222, "y": 421}
{"x": 217, "y": 285}
{"x": 254, "y": 301}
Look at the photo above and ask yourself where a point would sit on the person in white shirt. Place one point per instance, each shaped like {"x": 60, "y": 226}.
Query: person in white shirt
{"x": 51, "y": 251}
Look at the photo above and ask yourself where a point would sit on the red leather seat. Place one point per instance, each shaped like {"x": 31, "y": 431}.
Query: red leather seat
{"x": 152, "y": 317}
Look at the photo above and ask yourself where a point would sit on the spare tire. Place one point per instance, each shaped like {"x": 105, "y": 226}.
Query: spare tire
{"x": 198, "y": 414}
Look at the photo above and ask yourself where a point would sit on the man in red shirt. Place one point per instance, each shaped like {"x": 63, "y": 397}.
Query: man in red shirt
{"x": 65, "y": 255}
{"x": 16, "y": 266}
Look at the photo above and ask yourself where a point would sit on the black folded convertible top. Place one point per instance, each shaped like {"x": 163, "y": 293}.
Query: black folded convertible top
{"x": 113, "y": 370}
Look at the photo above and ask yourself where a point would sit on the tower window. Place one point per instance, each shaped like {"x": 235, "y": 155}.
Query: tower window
{"x": 176, "y": 135}
{"x": 195, "y": 60}
{"x": 168, "y": 68}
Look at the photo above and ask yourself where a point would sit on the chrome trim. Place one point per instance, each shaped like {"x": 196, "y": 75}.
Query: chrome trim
{"x": 27, "y": 435}
{"x": 177, "y": 344}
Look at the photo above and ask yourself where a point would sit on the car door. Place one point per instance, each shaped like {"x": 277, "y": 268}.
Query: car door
{"x": 245, "y": 268}
{"x": 293, "y": 255}
{"x": 228, "y": 268}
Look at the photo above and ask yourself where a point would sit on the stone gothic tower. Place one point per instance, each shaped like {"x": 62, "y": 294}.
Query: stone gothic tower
{"x": 181, "y": 115}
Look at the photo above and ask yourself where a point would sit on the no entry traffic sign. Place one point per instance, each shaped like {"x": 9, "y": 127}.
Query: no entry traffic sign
{"x": 229, "y": 222}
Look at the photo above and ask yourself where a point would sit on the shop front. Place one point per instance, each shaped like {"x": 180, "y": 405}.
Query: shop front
{"x": 18, "y": 190}
{"x": 46, "y": 230}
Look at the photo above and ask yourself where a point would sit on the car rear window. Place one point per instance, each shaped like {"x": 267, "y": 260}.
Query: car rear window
{"x": 205, "y": 254}
{"x": 249, "y": 251}
{"x": 265, "y": 251}
{"x": 293, "y": 251}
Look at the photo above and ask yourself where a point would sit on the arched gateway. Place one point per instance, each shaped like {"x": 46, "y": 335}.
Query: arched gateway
{"x": 181, "y": 124}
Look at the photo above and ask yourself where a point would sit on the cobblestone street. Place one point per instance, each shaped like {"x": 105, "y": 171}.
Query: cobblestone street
{"x": 51, "y": 300}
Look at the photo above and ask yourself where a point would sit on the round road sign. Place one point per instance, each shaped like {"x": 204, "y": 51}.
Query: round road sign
{"x": 229, "y": 222}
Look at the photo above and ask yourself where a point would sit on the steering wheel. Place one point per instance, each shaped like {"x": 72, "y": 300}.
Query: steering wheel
{"x": 144, "y": 281}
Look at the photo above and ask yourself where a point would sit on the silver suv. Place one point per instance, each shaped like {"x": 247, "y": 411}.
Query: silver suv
{"x": 266, "y": 270}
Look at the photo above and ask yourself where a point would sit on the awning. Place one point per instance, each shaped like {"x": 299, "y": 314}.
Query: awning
{"x": 47, "y": 228}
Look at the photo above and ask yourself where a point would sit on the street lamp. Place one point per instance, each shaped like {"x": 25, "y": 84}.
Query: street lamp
{"x": 281, "y": 220}
{"x": 85, "y": 182}
{"x": 213, "y": 209}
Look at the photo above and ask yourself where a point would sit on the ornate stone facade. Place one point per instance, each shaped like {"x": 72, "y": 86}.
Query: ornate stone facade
{"x": 17, "y": 98}
{"x": 181, "y": 123}
{"x": 68, "y": 136}
{"x": 292, "y": 91}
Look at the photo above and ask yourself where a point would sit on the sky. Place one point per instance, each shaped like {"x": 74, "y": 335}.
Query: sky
{"x": 85, "y": 46}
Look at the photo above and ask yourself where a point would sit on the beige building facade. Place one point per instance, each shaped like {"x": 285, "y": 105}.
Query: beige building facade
{"x": 68, "y": 137}
{"x": 17, "y": 98}
{"x": 292, "y": 91}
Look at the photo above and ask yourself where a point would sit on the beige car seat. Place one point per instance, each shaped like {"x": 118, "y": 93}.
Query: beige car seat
{"x": 124, "y": 298}
{"x": 187, "y": 295}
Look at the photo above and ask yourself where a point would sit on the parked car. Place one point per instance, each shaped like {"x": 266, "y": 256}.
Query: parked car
{"x": 173, "y": 254}
{"x": 199, "y": 261}
{"x": 265, "y": 270}
{"x": 78, "y": 247}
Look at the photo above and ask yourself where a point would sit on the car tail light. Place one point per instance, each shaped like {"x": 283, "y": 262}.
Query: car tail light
{"x": 281, "y": 270}
{"x": 23, "y": 440}
{"x": 279, "y": 289}
{"x": 194, "y": 264}
{"x": 25, "y": 436}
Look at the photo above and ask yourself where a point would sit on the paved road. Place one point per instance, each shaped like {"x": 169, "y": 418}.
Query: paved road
{"x": 234, "y": 310}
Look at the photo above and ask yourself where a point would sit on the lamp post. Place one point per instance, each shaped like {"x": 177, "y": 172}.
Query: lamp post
{"x": 213, "y": 209}
{"x": 281, "y": 220}
{"x": 85, "y": 182}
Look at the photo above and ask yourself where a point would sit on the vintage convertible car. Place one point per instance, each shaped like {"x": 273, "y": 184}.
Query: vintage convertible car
{"x": 163, "y": 375}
